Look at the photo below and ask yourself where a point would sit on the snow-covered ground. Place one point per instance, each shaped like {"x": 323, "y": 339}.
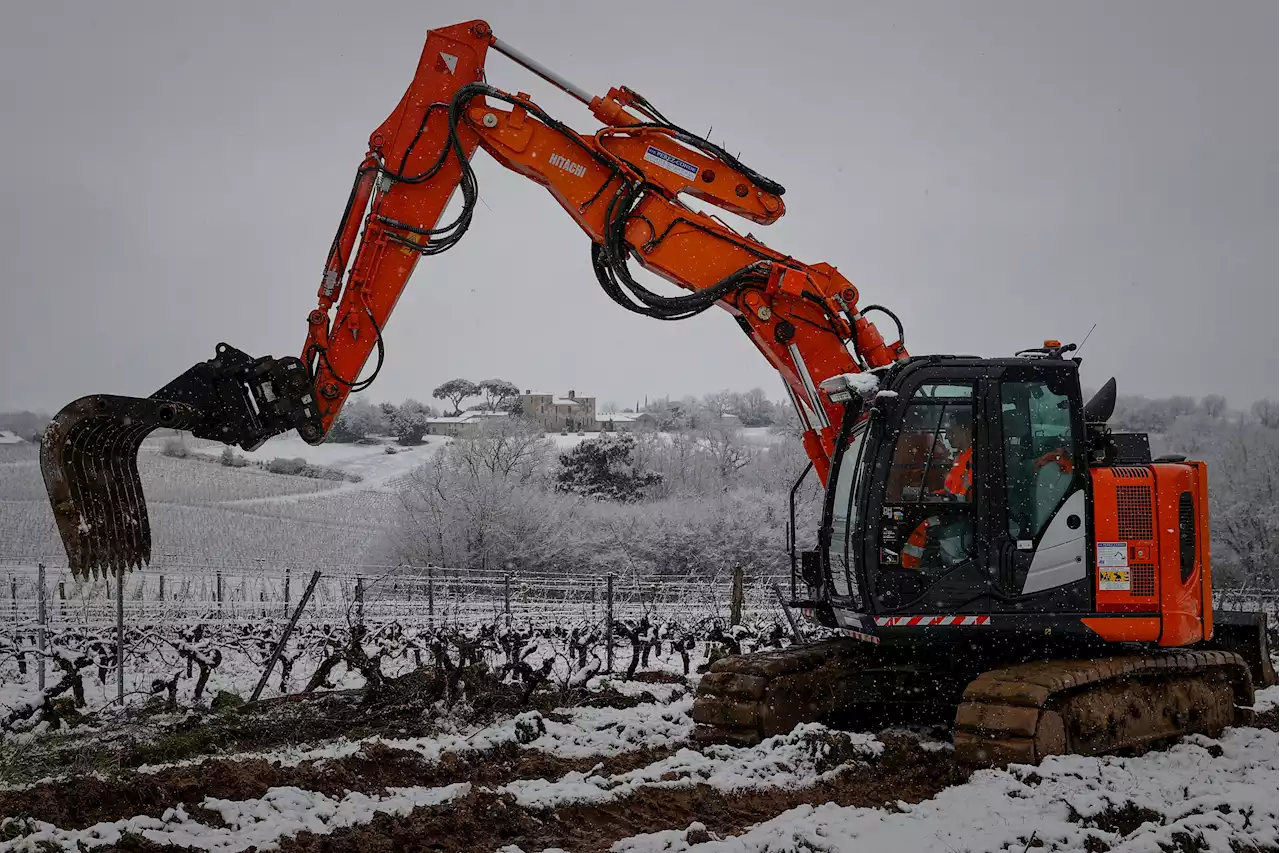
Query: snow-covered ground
{"x": 1200, "y": 794}
{"x": 1221, "y": 792}
{"x": 260, "y": 822}
{"x": 371, "y": 462}
{"x": 783, "y": 761}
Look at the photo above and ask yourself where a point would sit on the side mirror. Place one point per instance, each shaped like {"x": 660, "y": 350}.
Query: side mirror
{"x": 1103, "y": 404}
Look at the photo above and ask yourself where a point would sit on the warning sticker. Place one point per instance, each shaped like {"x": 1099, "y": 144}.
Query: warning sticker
{"x": 1113, "y": 555}
{"x": 670, "y": 162}
{"x": 1113, "y": 579}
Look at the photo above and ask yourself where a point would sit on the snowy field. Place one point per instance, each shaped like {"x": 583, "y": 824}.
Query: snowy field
{"x": 202, "y": 510}
{"x": 616, "y": 770}
{"x": 570, "y": 760}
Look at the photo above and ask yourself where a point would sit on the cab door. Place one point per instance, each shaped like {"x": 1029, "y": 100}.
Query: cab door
{"x": 1039, "y": 498}
{"x": 928, "y": 516}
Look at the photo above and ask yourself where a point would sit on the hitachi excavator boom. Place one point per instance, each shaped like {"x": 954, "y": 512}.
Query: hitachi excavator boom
{"x": 622, "y": 185}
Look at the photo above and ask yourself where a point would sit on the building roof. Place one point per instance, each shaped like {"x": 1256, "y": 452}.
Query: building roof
{"x": 467, "y": 417}
{"x": 7, "y": 437}
{"x": 623, "y": 417}
{"x": 556, "y": 400}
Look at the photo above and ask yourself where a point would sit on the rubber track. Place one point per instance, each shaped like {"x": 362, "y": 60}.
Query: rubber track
{"x": 1019, "y": 713}
{"x": 1025, "y": 712}
{"x": 745, "y": 698}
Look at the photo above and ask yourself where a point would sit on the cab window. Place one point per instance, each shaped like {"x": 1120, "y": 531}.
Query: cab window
{"x": 936, "y": 437}
{"x": 928, "y": 523}
{"x": 1039, "y": 457}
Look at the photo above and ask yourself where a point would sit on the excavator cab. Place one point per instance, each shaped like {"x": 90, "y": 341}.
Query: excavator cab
{"x": 961, "y": 491}
{"x": 985, "y": 495}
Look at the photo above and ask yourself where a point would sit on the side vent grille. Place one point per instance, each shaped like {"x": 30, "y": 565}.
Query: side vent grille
{"x": 1133, "y": 504}
{"x": 1186, "y": 534}
{"x": 1127, "y": 472}
{"x": 1142, "y": 580}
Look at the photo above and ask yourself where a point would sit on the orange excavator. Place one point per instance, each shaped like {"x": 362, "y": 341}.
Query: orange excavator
{"x": 1059, "y": 599}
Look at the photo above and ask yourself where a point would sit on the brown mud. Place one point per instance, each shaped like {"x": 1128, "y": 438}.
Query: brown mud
{"x": 485, "y": 820}
{"x": 82, "y": 801}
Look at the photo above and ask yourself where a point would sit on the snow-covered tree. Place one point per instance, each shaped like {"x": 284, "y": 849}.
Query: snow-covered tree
{"x": 753, "y": 408}
{"x": 455, "y": 391}
{"x": 358, "y": 419}
{"x": 719, "y": 403}
{"x": 499, "y": 395}
{"x": 408, "y": 421}
{"x": 1242, "y": 458}
{"x": 604, "y": 468}
{"x": 1214, "y": 405}
{"x": 1267, "y": 413}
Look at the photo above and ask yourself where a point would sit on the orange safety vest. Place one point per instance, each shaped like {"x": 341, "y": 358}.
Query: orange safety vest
{"x": 959, "y": 481}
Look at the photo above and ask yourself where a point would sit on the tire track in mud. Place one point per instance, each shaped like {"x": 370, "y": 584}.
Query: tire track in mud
{"x": 83, "y": 801}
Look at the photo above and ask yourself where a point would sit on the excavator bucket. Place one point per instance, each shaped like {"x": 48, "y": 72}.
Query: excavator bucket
{"x": 89, "y": 458}
{"x": 89, "y": 451}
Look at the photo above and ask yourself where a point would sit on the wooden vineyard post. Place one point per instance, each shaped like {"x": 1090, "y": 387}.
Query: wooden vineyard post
{"x": 431, "y": 599}
{"x": 162, "y": 589}
{"x": 739, "y": 593}
{"x": 13, "y": 597}
{"x": 218, "y": 591}
{"x": 506, "y": 597}
{"x": 41, "y": 638}
{"x": 120, "y": 636}
{"x": 360, "y": 600}
{"x": 284, "y": 637}
{"x": 608, "y": 623}
{"x": 287, "y": 578}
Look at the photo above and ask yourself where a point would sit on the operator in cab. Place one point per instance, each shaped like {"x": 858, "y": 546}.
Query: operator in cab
{"x": 934, "y": 545}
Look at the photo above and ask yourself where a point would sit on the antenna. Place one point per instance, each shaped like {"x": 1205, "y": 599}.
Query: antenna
{"x": 1086, "y": 338}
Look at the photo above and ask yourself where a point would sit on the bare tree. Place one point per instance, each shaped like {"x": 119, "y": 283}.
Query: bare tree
{"x": 719, "y": 404}
{"x": 753, "y": 408}
{"x": 730, "y": 453}
{"x": 508, "y": 447}
{"x": 1267, "y": 413}
{"x": 1214, "y": 405}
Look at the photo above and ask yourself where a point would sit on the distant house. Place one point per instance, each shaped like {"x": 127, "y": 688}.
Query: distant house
{"x": 7, "y": 437}
{"x": 625, "y": 421}
{"x": 464, "y": 425}
{"x": 559, "y": 414}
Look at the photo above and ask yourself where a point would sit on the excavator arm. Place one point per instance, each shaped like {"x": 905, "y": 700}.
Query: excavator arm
{"x": 623, "y": 185}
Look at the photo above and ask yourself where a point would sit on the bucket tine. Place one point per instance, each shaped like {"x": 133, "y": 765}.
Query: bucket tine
{"x": 89, "y": 458}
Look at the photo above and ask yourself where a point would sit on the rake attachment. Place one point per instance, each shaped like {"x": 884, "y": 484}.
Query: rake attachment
{"x": 89, "y": 451}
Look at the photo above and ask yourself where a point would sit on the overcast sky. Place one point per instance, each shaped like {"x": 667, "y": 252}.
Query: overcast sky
{"x": 997, "y": 173}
